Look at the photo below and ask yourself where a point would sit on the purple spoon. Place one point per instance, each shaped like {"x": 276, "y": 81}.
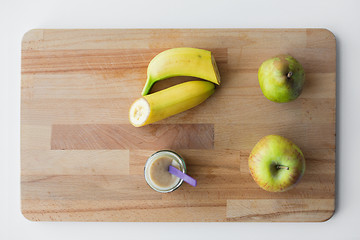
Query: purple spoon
{"x": 174, "y": 171}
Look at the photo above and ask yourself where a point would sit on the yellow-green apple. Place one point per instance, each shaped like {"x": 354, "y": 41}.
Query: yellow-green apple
{"x": 281, "y": 78}
{"x": 276, "y": 163}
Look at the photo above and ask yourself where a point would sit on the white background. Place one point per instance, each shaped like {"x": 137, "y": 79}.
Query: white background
{"x": 341, "y": 17}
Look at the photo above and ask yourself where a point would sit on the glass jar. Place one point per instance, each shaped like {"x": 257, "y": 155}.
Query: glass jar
{"x": 169, "y": 154}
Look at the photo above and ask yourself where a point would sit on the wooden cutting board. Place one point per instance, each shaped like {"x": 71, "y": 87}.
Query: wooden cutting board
{"x": 81, "y": 160}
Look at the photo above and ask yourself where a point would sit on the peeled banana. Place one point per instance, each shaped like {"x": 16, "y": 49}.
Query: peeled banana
{"x": 173, "y": 62}
{"x": 168, "y": 102}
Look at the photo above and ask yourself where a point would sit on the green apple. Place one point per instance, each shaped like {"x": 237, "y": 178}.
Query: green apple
{"x": 276, "y": 163}
{"x": 281, "y": 78}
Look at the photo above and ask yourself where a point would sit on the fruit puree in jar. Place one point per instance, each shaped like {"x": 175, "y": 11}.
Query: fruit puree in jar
{"x": 157, "y": 173}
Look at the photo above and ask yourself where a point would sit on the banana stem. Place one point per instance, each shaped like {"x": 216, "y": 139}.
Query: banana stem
{"x": 282, "y": 167}
{"x": 147, "y": 87}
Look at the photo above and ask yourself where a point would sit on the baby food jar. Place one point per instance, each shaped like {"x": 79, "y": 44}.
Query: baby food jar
{"x": 156, "y": 171}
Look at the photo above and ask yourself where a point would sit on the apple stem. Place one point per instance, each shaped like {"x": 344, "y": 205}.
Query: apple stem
{"x": 282, "y": 167}
{"x": 289, "y": 75}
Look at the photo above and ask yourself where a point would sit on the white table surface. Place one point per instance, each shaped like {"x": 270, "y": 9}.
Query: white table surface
{"x": 341, "y": 17}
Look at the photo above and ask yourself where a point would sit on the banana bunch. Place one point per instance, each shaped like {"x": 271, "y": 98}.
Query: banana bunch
{"x": 173, "y": 100}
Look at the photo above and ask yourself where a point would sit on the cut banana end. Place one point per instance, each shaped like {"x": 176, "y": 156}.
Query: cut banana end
{"x": 139, "y": 112}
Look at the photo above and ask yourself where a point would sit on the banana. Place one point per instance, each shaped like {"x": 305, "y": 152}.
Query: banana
{"x": 173, "y": 62}
{"x": 168, "y": 102}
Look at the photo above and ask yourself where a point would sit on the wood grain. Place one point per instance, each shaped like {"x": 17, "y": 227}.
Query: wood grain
{"x": 93, "y": 187}
{"x": 82, "y": 161}
{"x": 279, "y": 210}
{"x": 125, "y": 210}
{"x": 76, "y": 162}
{"x": 106, "y": 136}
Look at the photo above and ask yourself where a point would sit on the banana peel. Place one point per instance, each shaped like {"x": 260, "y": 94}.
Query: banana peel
{"x": 174, "y": 62}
